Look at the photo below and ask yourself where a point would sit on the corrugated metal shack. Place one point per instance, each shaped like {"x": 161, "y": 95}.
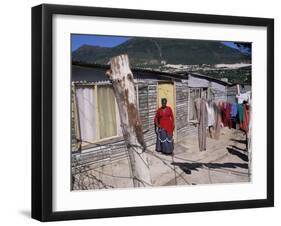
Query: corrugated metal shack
{"x": 96, "y": 133}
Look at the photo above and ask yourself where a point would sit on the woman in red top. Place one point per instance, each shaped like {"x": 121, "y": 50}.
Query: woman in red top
{"x": 164, "y": 127}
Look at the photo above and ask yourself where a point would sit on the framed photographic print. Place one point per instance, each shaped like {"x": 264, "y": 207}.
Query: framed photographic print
{"x": 146, "y": 112}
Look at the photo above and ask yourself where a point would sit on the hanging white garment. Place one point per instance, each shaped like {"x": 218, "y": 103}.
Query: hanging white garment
{"x": 211, "y": 114}
{"x": 244, "y": 97}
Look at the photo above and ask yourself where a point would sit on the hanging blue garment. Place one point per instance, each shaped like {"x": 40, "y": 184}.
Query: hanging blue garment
{"x": 234, "y": 110}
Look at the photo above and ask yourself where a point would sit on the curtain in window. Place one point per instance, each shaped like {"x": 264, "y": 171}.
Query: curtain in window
{"x": 86, "y": 105}
{"x": 107, "y": 112}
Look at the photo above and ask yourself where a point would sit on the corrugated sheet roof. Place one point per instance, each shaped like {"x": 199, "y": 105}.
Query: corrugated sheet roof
{"x": 95, "y": 73}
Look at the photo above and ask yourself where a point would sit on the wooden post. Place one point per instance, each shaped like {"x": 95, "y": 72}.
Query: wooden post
{"x": 238, "y": 89}
{"x": 122, "y": 80}
{"x": 249, "y": 144}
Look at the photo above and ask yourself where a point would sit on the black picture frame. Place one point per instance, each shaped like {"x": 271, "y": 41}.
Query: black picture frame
{"x": 42, "y": 107}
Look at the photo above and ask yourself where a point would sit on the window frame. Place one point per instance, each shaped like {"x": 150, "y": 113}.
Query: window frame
{"x": 98, "y": 140}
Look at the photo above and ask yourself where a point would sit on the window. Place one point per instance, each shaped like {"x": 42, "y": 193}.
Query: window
{"x": 204, "y": 93}
{"x": 97, "y": 116}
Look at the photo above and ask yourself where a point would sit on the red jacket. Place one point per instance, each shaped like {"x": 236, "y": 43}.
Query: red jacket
{"x": 164, "y": 118}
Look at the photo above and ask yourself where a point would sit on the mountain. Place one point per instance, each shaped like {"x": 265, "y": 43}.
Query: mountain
{"x": 150, "y": 52}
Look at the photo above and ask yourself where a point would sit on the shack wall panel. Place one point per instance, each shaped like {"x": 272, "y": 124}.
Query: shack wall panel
{"x": 181, "y": 106}
{"x": 147, "y": 109}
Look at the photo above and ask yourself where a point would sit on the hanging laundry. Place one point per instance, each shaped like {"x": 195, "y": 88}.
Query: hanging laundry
{"x": 202, "y": 116}
{"x": 226, "y": 114}
{"x": 246, "y": 114}
{"x": 211, "y": 113}
{"x": 240, "y": 110}
{"x": 229, "y": 120}
{"x": 233, "y": 110}
{"x": 211, "y": 118}
{"x": 222, "y": 106}
{"x": 244, "y": 97}
{"x": 218, "y": 122}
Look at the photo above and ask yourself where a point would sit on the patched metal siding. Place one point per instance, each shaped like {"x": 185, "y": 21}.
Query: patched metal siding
{"x": 143, "y": 105}
{"x": 181, "y": 109}
{"x": 147, "y": 103}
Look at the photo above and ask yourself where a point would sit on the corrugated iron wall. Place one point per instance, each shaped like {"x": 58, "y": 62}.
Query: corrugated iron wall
{"x": 149, "y": 135}
{"x": 143, "y": 105}
{"x": 182, "y": 104}
{"x": 147, "y": 100}
{"x": 115, "y": 150}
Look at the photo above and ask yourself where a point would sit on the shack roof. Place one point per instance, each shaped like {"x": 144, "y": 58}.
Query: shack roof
{"x": 198, "y": 75}
{"x": 85, "y": 72}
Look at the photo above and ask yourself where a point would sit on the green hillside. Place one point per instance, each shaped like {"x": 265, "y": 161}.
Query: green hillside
{"x": 156, "y": 51}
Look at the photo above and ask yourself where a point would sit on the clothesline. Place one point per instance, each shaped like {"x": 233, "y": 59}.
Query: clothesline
{"x": 235, "y": 115}
{"x": 215, "y": 115}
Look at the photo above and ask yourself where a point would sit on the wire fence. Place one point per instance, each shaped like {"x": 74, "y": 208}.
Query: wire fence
{"x": 90, "y": 176}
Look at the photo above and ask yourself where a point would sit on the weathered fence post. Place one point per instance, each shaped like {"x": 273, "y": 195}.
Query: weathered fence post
{"x": 249, "y": 143}
{"x": 238, "y": 89}
{"x": 122, "y": 80}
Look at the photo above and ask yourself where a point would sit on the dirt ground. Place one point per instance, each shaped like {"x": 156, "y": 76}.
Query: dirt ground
{"x": 224, "y": 161}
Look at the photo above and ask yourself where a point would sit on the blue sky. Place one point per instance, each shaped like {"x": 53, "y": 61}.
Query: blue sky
{"x": 230, "y": 44}
{"x": 78, "y": 40}
{"x": 96, "y": 40}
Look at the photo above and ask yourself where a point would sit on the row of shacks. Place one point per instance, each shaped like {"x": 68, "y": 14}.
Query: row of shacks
{"x": 96, "y": 132}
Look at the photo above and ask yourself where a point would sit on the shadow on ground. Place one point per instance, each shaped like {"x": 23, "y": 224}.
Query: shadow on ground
{"x": 239, "y": 141}
{"x": 237, "y": 148}
{"x": 238, "y": 154}
{"x": 189, "y": 167}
